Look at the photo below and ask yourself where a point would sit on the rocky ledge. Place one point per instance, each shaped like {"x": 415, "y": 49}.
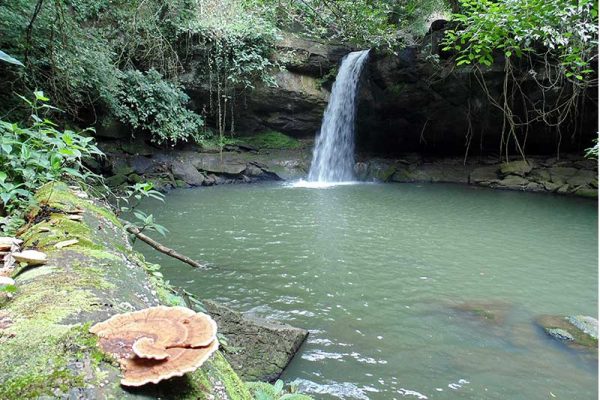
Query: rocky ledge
{"x": 570, "y": 175}
{"x": 242, "y": 163}
{"x": 192, "y": 165}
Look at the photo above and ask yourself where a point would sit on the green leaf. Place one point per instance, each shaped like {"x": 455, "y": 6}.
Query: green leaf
{"x": 39, "y": 95}
{"x": 278, "y": 386}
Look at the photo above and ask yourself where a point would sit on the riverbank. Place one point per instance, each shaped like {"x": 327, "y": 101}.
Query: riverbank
{"x": 192, "y": 165}
{"x": 45, "y": 347}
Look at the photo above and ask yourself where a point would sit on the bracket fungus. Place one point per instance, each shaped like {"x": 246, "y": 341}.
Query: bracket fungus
{"x": 31, "y": 257}
{"x": 158, "y": 343}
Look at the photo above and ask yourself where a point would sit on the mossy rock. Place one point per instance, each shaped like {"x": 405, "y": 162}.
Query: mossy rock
{"x": 271, "y": 140}
{"x": 554, "y": 323}
{"x": 273, "y": 392}
{"x": 45, "y": 348}
{"x": 519, "y": 168}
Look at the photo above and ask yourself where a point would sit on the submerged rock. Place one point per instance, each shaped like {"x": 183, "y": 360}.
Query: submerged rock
{"x": 187, "y": 173}
{"x": 490, "y": 312}
{"x": 581, "y": 331}
{"x": 559, "y": 334}
{"x": 585, "y": 324}
{"x": 258, "y": 350}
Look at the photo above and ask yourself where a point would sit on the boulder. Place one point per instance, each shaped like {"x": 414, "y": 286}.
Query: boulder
{"x": 559, "y": 334}
{"x": 187, "y": 173}
{"x": 512, "y": 182}
{"x": 520, "y": 168}
{"x": 258, "y": 350}
{"x": 561, "y": 175}
{"x": 582, "y": 178}
{"x": 116, "y": 180}
{"x": 309, "y": 56}
{"x": 486, "y": 311}
{"x": 591, "y": 193}
{"x": 141, "y": 164}
{"x": 484, "y": 174}
{"x": 587, "y": 325}
{"x": 540, "y": 175}
{"x": 219, "y": 164}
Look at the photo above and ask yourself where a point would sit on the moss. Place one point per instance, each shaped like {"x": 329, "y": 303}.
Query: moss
{"x": 582, "y": 339}
{"x": 221, "y": 371}
{"x": 271, "y": 140}
{"x": 59, "y": 195}
{"x": 386, "y": 175}
{"x": 34, "y": 385}
{"x": 47, "y": 350}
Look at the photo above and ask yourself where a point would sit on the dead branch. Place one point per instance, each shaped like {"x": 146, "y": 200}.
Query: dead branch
{"x": 163, "y": 249}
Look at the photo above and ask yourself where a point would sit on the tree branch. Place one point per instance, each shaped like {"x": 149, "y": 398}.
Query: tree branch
{"x": 163, "y": 249}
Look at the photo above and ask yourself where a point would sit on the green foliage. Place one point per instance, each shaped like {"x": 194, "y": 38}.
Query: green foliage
{"x": 592, "y": 152}
{"x": 133, "y": 195}
{"x": 38, "y": 153}
{"x": 73, "y": 63}
{"x": 236, "y": 45}
{"x": 564, "y": 30}
{"x": 147, "y": 102}
{"x": 75, "y": 50}
{"x": 362, "y": 22}
{"x": 266, "y": 391}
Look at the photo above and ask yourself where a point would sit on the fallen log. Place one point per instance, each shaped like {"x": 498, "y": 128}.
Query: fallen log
{"x": 162, "y": 248}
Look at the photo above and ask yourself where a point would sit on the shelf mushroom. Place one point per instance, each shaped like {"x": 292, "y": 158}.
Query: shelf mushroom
{"x": 158, "y": 343}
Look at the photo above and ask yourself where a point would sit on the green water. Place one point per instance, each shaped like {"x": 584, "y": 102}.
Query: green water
{"x": 380, "y": 274}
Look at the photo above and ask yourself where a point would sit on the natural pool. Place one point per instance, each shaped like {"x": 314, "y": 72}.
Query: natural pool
{"x": 382, "y": 274}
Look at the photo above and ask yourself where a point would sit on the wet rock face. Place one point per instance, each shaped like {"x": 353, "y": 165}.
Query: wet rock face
{"x": 569, "y": 176}
{"x": 257, "y": 350}
{"x": 295, "y": 105}
{"x": 417, "y": 101}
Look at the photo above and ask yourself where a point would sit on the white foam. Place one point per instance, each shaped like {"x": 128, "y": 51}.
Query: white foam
{"x": 320, "y": 185}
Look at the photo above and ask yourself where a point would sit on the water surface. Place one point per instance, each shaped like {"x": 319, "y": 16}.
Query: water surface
{"x": 381, "y": 275}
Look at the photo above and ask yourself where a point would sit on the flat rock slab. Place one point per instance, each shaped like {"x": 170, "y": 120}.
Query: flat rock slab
{"x": 257, "y": 350}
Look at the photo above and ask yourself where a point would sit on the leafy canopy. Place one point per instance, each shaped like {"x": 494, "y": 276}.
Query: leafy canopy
{"x": 149, "y": 103}
{"x": 563, "y": 32}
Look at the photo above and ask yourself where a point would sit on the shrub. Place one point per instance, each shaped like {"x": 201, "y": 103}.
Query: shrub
{"x": 39, "y": 153}
{"x": 149, "y": 103}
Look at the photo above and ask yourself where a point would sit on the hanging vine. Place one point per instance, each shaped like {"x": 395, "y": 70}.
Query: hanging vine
{"x": 550, "y": 43}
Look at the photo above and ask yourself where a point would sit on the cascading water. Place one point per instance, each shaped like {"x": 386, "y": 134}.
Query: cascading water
{"x": 333, "y": 156}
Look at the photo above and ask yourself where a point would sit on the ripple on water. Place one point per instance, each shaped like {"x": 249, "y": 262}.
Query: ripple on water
{"x": 373, "y": 270}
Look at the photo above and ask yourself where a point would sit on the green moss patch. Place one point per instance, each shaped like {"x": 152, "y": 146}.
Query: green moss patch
{"x": 271, "y": 140}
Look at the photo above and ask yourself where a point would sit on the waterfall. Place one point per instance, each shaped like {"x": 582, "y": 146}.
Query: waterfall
{"x": 333, "y": 156}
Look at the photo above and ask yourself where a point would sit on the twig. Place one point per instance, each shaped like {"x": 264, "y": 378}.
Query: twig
{"x": 163, "y": 249}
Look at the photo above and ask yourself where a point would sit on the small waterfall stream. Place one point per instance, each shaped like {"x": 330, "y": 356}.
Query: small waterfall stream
{"x": 333, "y": 156}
